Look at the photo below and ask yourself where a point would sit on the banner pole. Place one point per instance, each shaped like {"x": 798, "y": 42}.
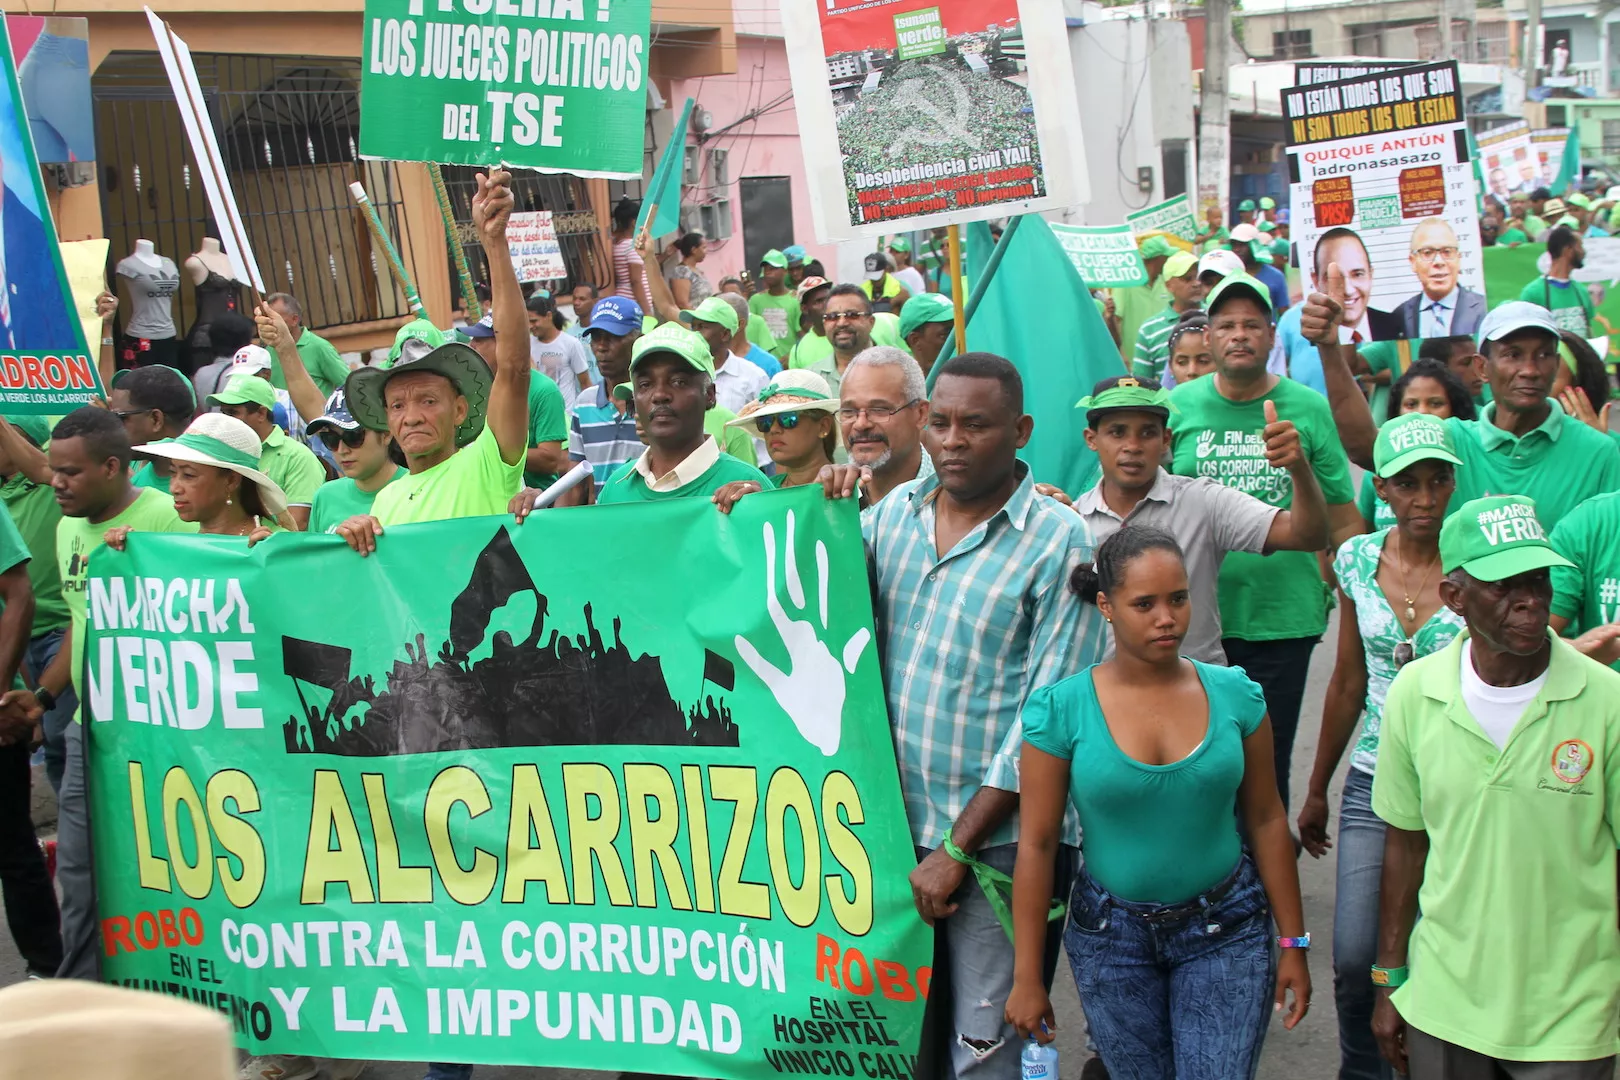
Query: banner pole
{"x": 395, "y": 264}
{"x": 958, "y": 288}
{"x": 469, "y": 295}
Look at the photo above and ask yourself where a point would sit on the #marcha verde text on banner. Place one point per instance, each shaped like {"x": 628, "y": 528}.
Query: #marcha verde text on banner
{"x": 553, "y": 85}
{"x": 516, "y": 814}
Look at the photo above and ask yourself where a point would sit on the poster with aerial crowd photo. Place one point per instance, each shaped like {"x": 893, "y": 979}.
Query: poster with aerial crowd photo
{"x": 1382, "y": 185}
{"x": 918, "y": 113}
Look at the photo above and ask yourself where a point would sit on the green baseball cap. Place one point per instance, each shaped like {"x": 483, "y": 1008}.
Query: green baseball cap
{"x": 246, "y": 390}
{"x": 1246, "y": 206}
{"x": 676, "y": 340}
{"x": 1577, "y": 199}
{"x": 899, "y": 243}
{"x": 1126, "y": 392}
{"x": 1266, "y": 226}
{"x": 1268, "y": 203}
{"x": 1238, "y": 285}
{"x": 925, "y": 308}
{"x": 1411, "y": 438}
{"x": 415, "y": 330}
{"x": 713, "y": 310}
{"x": 1180, "y": 264}
{"x": 774, "y": 258}
{"x": 1156, "y": 247}
{"x": 1495, "y": 538}
{"x": 35, "y": 427}
{"x": 624, "y": 392}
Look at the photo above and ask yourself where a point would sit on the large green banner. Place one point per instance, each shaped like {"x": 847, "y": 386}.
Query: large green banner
{"x": 554, "y": 85}
{"x": 611, "y": 789}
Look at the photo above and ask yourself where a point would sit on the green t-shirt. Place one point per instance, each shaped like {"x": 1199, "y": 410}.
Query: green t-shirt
{"x": 148, "y": 477}
{"x": 293, "y": 466}
{"x": 14, "y": 549}
{"x": 1375, "y": 511}
{"x": 628, "y": 485}
{"x": 1534, "y": 225}
{"x": 735, "y": 441}
{"x": 1381, "y": 356}
{"x": 810, "y": 350}
{"x": 781, "y": 315}
{"x": 35, "y": 512}
{"x": 1560, "y": 464}
{"x": 320, "y": 359}
{"x": 1508, "y": 237}
{"x": 1571, "y": 305}
{"x": 473, "y": 482}
{"x": 1152, "y": 833}
{"x": 77, "y": 540}
{"x": 759, "y": 333}
{"x": 548, "y": 421}
{"x": 1136, "y": 305}
{"x": 1262, "y": 597}
{"x": 1588, "y": 593}
{"x": 342, "y": 499}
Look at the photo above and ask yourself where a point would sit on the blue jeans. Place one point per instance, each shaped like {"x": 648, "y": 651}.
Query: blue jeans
{"x": 1178, "y": 991}
{"x": 1355, "y": 930}
{"x": 42, "y": 649}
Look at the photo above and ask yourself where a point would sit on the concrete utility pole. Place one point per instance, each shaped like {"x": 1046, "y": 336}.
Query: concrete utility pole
{"x": 1531, "y": 47}
{"x": 1214, "y": 108}
{"x": 1447, "y": 48}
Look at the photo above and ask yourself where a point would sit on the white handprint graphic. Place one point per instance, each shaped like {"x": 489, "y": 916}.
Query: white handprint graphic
{"x": 811, "y": 691}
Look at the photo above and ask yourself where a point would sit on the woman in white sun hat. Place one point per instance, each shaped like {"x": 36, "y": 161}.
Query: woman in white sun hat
{"x": 797, "y": 417}
{"x": 217, "y": 482}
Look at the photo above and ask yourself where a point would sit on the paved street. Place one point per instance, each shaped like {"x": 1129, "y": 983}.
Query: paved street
{"x": 1308, "y": 1053}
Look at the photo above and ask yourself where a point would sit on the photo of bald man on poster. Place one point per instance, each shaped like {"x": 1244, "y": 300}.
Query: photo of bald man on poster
{"x": 1443, "y": 308}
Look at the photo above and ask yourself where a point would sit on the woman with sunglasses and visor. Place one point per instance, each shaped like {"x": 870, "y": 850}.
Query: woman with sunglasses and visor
{"x": 367, "y": 459}
{"x": 797, "y": 417}
{"x": 1390, "y": 613}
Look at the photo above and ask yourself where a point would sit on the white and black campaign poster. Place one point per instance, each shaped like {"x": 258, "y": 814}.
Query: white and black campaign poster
{"x": 919, "y": 113}
{"x": 1383, "y": 185}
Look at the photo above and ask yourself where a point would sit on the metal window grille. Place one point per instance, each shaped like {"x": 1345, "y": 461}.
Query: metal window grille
{"x": 565, "y": 196}
{"x": 288, "y": 130}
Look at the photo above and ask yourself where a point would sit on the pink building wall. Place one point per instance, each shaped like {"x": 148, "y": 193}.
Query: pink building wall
{"x": 765, "y": 145}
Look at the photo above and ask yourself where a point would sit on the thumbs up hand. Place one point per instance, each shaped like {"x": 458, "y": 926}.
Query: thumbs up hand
{"x": 1323, "y": 312}
{"x": 1283, "y": 449}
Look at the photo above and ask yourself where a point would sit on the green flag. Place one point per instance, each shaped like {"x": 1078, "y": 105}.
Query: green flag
{"x": 1035, "y": 311}
{"x": 1569, "y": 169}
{"x": 664, "y": 191}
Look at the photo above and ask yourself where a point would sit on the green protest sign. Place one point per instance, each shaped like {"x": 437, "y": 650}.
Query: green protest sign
{"x": 1174, "y": 216}
{"x": 554, "y": 85}
{"x": 1106, "y": 255}
{"x": 639, "y": 815}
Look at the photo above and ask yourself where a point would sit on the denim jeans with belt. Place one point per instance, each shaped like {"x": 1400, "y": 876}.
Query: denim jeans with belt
{"x": 1355, "y": 930}
{"x": 1175, "y": 991}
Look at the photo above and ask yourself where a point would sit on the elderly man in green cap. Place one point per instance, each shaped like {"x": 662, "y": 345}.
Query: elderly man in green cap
{"x": 925, "y": 322}
{"x": 1136, "y": 304}
{"x": 292, "y": 465}
{"x": 672, "y": 379}
{"x": 463, "y": 430}
{"x": 1150, "y": 360}
{"x": 776, "y": 304}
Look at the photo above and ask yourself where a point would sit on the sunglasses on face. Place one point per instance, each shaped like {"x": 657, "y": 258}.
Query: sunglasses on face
{"x": 788, "y": 420}
{"x": 351, "y": 439}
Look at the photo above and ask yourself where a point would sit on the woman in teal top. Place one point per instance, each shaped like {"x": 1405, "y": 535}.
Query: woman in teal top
{"x": 1389, "y": 614}
{"x": 1427, "y": 387}
{"x": 1162, "y": 758}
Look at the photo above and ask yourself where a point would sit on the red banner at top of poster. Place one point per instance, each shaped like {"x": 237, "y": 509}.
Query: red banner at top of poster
{"x": 852, "y": 25}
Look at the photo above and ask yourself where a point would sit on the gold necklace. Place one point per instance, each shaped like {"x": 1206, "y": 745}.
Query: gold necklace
{"x": 1406, "y": 592}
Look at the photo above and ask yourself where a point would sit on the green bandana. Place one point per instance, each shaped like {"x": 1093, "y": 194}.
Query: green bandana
{"x": 772, "y": 390}
{"x": 1127, "y": 394}
{"x": 222, "y": 452}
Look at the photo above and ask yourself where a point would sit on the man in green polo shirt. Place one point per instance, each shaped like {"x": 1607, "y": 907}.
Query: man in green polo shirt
{"x": 1499, "y": 777}
{"x": 1136, "y": 304}
{"x": 672, "y": 378}
{"x": 1152, "y": 352}
{"x": 776, "y": 304}
{"x": 1522, "y": 443}
{"x": 291, "y": 464}
{"x": 320, "y": 358}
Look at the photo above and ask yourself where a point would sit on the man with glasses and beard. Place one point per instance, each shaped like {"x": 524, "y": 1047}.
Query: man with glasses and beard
{"x": 883, "y": 409}
{"x": 1444, "y": 308}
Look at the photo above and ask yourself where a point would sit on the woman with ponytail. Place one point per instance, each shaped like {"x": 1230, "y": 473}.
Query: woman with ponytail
{"x": 1187, "y": 854}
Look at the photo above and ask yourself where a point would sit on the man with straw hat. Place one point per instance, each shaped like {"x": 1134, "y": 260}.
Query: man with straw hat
{"x": 292, "y": 465}
{"x": 463, "y": 430}
{"x": 76, "y": 1030}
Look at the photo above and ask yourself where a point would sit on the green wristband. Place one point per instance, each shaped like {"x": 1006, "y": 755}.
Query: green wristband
{"x": 1390, "y": 977}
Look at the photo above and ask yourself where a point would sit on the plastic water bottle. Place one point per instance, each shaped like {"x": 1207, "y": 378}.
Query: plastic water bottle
{"x": 1039, "y": 1062}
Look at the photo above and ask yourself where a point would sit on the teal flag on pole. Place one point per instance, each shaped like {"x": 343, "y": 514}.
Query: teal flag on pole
{"x": 664, "y": 192}
{"x": 1569, "y": 169}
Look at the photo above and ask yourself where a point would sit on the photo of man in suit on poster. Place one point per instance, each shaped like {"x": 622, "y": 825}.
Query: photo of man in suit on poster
{"x": 1362, "y": 322}
{"x": 1443, "y": 308}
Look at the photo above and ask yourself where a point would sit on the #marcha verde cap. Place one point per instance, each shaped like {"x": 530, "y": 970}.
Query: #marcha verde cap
{"x": 713, "y": 310}
{"x": 246, "y": 390}
{"x": 1495, "y": 538}
{"x": 677, "y": 341}
{"x": 925, "y": 308}
{"x": 1411, "y": 438}
{"x": 1238, "y": 285}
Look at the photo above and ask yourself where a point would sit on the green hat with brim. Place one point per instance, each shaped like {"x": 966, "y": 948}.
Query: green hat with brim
{"x": 1246, "y": 206}
{"x": 673, "y": 340}
{"x": 1156, "y": 247}
{"x": 1266, "y": 226}
{"x": 774, "y": 258}
{"x": 415, "y": 330}
{"x": 925, "y": 308}
{"x": 624, "y": 392}
{"x": 1569, "y": 221}
{"x": 1238, "y": 285}
{"x": 1495, "y": 538}
{"x": 713, "y": 310}
{"x": 1180, "y": 264}
{"x": 1126, "y": 393}
{"x": 36, "y": 428}
{"x": 459, "y": 363}
{"x": 1577, "y": 199}
{"x": 246, "y": 390}
{"x": 899, "y": 243}
{"x": 1411, "y": 438}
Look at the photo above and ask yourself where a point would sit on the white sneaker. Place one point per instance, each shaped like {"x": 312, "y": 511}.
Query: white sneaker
{"x": 343, "y": 1070}
{"x": 279, "y": 1067}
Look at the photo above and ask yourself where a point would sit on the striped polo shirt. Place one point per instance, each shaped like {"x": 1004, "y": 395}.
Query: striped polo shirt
{"x": 1153, "y": 345}
{"x": 600, "y": 434}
